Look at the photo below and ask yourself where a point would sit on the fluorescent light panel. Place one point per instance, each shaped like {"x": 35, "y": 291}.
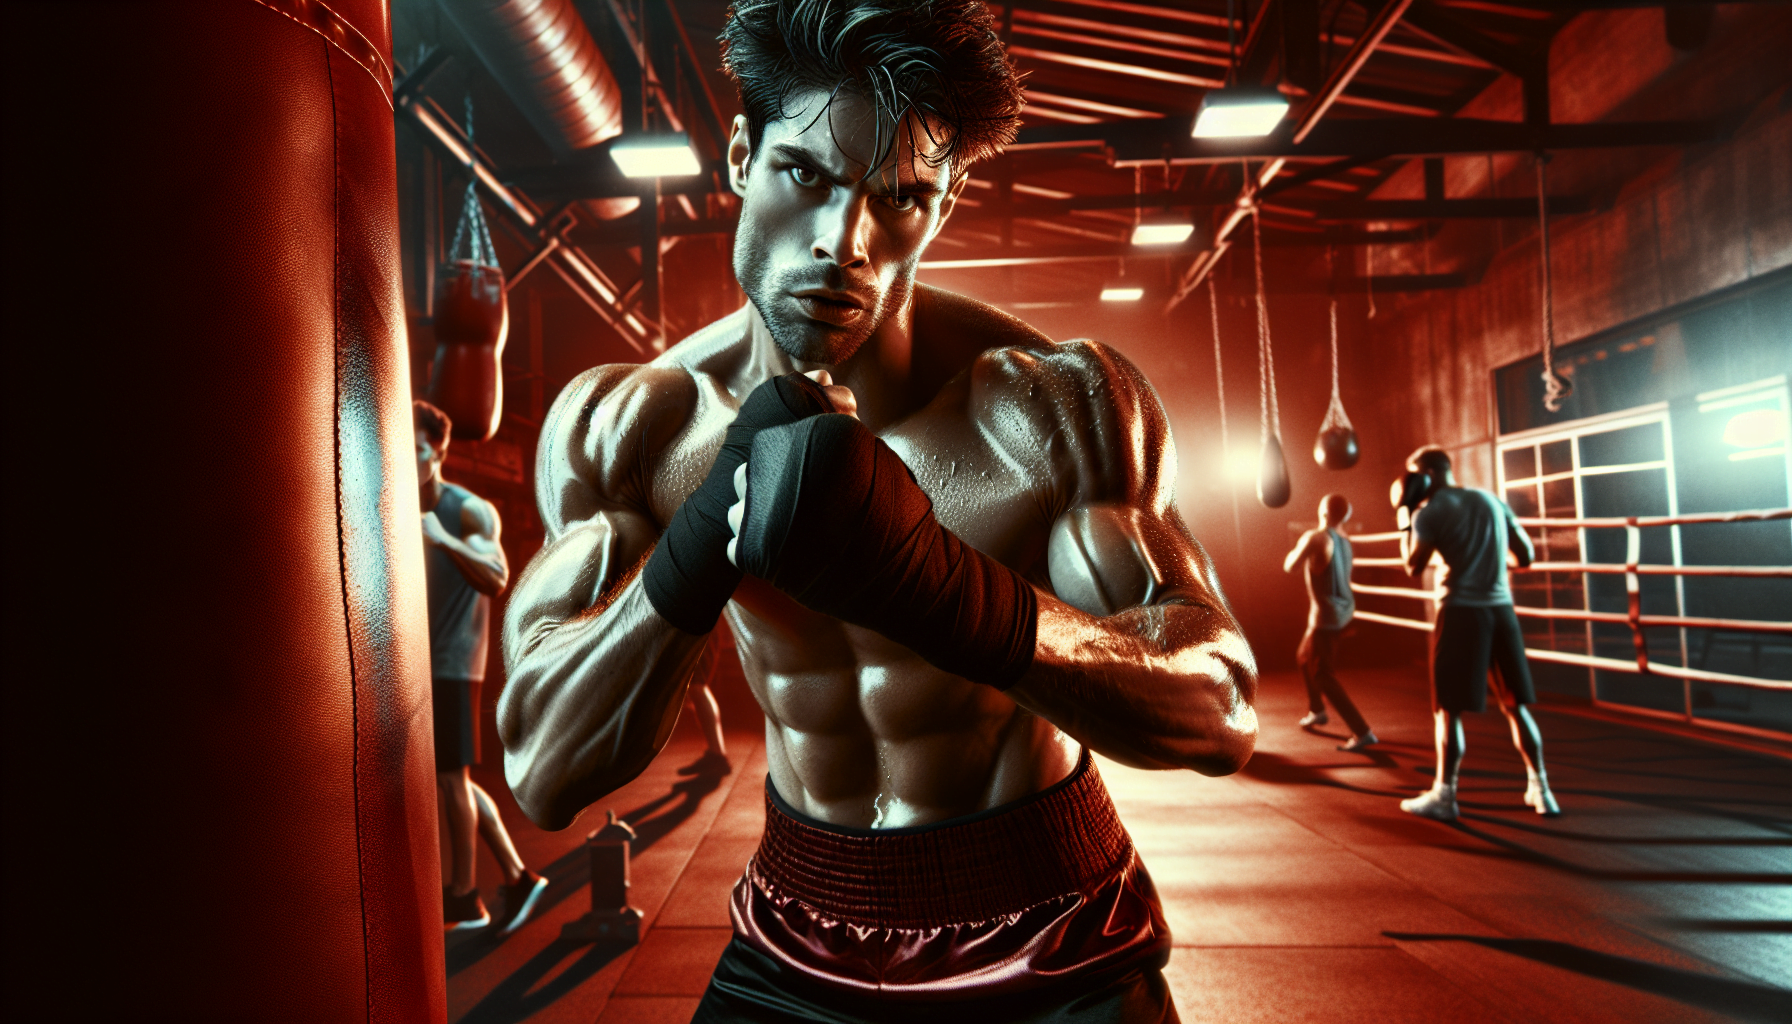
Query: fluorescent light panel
{"x": 1122, "y": 293}
{"x": 663, "y": 157}
{"x": 1238, "y": 112}
{"x": 1162, "y": 233}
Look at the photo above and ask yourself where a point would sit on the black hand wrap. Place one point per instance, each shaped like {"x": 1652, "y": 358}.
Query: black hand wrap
{"x": 835, "y": 520}
{"x": 689, "y": 577}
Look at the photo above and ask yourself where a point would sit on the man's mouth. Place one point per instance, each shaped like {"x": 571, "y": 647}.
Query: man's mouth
{"x": 837, "y": 308}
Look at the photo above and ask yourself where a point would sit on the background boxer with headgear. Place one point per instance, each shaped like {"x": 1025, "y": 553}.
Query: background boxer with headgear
{"x": 1476, "y": 629}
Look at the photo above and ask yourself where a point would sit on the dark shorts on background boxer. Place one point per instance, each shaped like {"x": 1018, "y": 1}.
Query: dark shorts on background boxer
{"x": 1039, "y": 910}
{"x": 456, "y": 705}
{"x": 1469, "y": 640}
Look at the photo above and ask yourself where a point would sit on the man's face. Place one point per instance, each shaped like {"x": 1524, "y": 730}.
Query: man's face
{"x": 429, "y": 456}
{"x": 827, "y": 251}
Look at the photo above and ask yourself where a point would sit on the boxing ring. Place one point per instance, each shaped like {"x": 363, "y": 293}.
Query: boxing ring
{"x": 1633, "y": 617}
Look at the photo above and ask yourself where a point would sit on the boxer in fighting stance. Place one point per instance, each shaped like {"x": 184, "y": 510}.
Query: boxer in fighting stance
{"x": 1324, "y": 557}
{"x": 1477, "y": 629}
{"x": 964, "y": 570}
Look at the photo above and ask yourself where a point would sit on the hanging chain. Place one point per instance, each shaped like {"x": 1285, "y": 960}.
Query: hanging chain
{"x": 472, "y": 214}
{"x": 1555, "y": 388}
{"x": 1266, "y": 358}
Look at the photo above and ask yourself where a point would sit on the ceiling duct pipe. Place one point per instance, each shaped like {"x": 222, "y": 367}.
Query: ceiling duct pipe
{"x": 543, "y": 56}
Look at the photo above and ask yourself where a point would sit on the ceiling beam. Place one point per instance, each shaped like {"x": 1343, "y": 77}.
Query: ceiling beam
{"x": 1118, "y": 201}
{"x": 1446, "y": 209}
{"x": 1439, "y": 24}
{"x": 985, "y": 256}
{"x": 1123, "y": 63}
{"x": 1144, "y": 141}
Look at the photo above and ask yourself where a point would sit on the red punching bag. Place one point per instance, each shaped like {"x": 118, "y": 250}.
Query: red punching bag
{"x": 217, "y": 653}
{"x": 471, "y": 321}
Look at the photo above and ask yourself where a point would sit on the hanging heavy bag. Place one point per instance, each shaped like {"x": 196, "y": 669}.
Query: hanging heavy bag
{"x": 471, "y": 321}
{"x": 1335, "y": 447}
{"x": 1273, "y": 489}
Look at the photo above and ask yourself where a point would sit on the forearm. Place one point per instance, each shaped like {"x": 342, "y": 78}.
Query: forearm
{"x": 589, "y": 702}
{"x": 1162, "y": 686}
{"x": 486, "y": 573}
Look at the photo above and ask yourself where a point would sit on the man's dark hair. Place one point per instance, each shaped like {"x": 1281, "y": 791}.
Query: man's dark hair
{"x": 940, "y": 59}
{"x": 1430, "y": 459}
{"x": 431, "y": 421}
{"x": 1337, "y": 507}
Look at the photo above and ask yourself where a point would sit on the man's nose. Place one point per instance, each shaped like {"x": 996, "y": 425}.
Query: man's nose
{"x": 840, "y": 230}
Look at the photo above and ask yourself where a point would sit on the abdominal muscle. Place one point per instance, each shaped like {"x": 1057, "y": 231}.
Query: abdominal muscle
{"x": 862, "y": 733}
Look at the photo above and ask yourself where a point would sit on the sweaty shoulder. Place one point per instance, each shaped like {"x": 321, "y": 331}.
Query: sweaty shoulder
{"x": 1078, "y": 414}
{"x": 601, "y": 437}
{"x": 612, "y": 426}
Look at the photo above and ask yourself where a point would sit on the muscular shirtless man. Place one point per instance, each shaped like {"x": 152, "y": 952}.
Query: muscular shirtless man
{"x": 965, "y": 568}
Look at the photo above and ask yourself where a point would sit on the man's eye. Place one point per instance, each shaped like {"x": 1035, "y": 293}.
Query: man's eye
{"x": 804, "y": 176}
{"x": 901, "y": 203}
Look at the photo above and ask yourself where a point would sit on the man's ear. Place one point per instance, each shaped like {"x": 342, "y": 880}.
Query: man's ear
{"x": 949, "y": 203}
{"x": 740, "y": 154}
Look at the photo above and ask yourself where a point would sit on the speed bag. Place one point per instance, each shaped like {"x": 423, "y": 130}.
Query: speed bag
{"x": 472, "y": 319}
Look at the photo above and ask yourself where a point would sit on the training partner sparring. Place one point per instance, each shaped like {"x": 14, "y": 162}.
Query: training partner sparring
{"x": 1476, "y": 627}
{"x": 1323, "y": 555}
{"x": 464, "y": 568}
{"x": 966, "y": 571}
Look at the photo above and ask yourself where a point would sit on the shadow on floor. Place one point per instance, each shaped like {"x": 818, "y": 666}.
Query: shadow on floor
{"x": 535, "y": 985}
{"x": 1504, "y": 847}
{"x": 652, "y": 821}
{"x": 1744, "y": 1000}
{"x": 1591, "y": 837}
{"x": 1282, "y": 771}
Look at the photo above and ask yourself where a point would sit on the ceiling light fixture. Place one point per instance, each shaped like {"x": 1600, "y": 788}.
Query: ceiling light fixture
{"x": 656, "y": 156}
{"x": 1163, "y": 231}
{"x": 1122, "y": 291}
{"x": 1238, "y": 112}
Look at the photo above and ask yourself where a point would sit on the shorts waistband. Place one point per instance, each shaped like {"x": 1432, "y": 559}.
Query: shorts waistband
{"x": 1064, "y": 839}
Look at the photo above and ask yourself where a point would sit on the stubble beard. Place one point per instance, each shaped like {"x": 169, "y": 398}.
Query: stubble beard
{"x": 769, "y": 288}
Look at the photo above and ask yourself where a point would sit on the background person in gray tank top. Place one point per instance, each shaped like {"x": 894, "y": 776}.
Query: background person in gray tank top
{"x": 465, "y": 569}
{"x": 1324, "y": 556}
{"x": 1476, "y": 628}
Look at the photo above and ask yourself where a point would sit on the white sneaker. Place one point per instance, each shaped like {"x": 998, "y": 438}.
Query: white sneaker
{"x": 1538, "y": 796}
{"x": 1315, "y": 718}
{"x": 1356, "y": 743}
{"x": 1436, "y": 804}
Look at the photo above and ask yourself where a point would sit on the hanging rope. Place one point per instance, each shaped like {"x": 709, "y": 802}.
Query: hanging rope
{"x": 1336, "y": 447}
{"x": 1555, "y": 386}
{"x": 1272, "y": 468}
{"x": 1271, "y": 415}
{"x": 1219, "y": 377}
{"x": 1369, "y": 276}
{"x": 471, "y": 227}
{"x": 1334, "y": 415}
{"x": 1219, "y": 369}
